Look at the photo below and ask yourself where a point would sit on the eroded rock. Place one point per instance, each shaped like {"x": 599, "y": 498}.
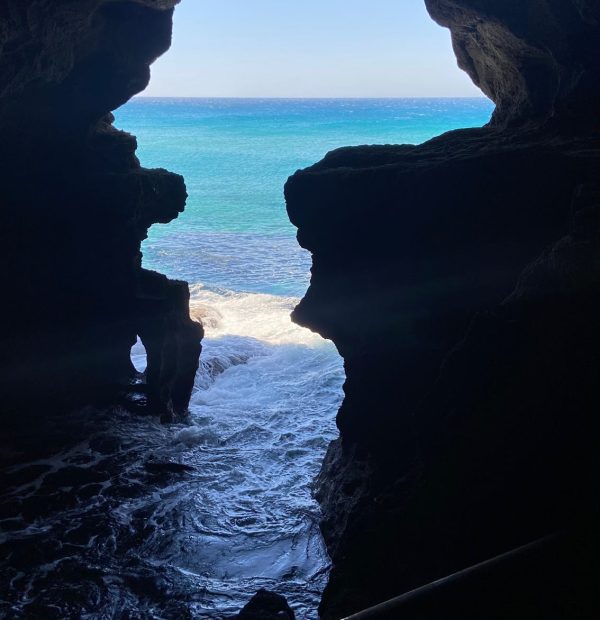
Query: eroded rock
{"x": 537, "y": 60}
{"x": 459, "y": 281}
{"x": 76, "y": 205}
{"x": 265, "y": 605}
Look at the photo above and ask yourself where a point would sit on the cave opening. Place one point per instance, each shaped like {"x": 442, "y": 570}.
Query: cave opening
{"x": 267, "y": 391}
{"x": 458, "y": 277}
{"x": 197, "y": 515}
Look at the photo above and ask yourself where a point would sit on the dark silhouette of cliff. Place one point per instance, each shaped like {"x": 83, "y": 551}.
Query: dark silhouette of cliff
{"x": 460, "y": 280}
{"x": 76, "y": 205}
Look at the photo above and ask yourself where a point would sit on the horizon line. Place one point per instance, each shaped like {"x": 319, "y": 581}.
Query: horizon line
{"x": 320, "y": 97}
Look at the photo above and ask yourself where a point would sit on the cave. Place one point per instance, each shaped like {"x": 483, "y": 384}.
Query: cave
{"x": 463, "y": 481}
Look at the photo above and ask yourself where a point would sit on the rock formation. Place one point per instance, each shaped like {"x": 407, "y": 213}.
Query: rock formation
{"x": 460, "y": 280}
{"x": 265, "y": 605}
{"x": 537, "y": 59}
{"x": 76, "y": 205}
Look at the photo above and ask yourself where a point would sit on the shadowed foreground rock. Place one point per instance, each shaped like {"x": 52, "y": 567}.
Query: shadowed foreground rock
{"x": 76, "y": 205}
{"x": 265, "y": 605}
{"x": 460, "y": 281}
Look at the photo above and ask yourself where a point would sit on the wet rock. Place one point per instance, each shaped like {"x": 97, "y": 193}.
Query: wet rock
{"x": 265, "y": 605}
{"x": 171, "y": 339}
{"x": 166, "y": 467}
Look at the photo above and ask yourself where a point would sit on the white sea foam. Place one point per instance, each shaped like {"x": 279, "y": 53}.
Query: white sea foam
{"x": 138, "y": 356}
{"x": 254, "y": 315}
{"x": 237, "y": 327}
{"x": 259, "y": 368}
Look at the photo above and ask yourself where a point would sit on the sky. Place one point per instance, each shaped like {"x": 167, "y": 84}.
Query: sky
{"x": 308, "y": 48}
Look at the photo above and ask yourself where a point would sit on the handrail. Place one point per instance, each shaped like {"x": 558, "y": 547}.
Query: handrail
{"x": 422, "y": 592}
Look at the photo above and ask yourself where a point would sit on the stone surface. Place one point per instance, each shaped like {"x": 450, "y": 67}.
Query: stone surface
{"x": 459, "y": 281}
{"x": 265, "y": 605}
{"x": 76, "y": 205}
{"x": 537, "y": 59}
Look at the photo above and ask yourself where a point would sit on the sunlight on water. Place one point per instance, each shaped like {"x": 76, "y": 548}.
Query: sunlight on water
{"x": 236, "y": 155}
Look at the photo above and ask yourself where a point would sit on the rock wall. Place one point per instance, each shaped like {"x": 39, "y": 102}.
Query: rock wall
{"x": 537, "y": 59}
{"x": 459, "y": 280}
{"x": 76, "y": 205}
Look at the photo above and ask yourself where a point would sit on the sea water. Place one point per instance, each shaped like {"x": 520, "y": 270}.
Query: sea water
{"x": 89, "y": 529}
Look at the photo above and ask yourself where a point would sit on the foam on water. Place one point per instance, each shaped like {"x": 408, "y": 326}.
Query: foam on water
{"x": 262, "y": 317}
{"x": 92, "y": 526}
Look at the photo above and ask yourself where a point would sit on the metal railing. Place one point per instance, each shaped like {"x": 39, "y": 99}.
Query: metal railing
{"x": 435, "y": 592}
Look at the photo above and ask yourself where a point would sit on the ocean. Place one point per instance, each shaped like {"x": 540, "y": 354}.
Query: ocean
{"x": 236, "y": 155}
{"x": 130, "y": 543}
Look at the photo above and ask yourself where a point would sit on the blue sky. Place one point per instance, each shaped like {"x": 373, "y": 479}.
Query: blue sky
{"x": 308, "y": 48}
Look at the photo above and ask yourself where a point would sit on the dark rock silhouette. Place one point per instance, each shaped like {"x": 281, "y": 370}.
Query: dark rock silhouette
{"x": 76, "y": 205}
{"x": 537, "y": 59}
{"x": 460, "y": 280}
{"x": 265, "y": 605}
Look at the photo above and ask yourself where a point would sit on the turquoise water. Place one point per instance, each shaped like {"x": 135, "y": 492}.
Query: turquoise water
{"x": 94, "y": 533}
{"x": 236, "y": 154}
